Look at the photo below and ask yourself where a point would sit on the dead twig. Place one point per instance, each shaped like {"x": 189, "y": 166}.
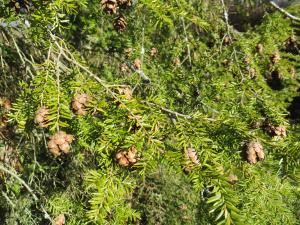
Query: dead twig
{"x": 292, "y": 17}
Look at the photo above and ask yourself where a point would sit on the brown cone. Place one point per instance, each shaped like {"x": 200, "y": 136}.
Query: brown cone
{"x": 60, "y": 220}
{"x": 125, "y": 3}
{"x": 275, "y": 58}
{"x": 254, "y": 152}
{"x": 153, "y": 52}
{"x": 120, "y": 23}
{"x": 60, "y": 142}
{"x": 79, "y": 104}
{"x": 110, "y": 6}
{"x": 127, "y": 158}
{"x": 41, "y": 117}
{"x": 192, "y": 155}
{"x": 137, "y": 64}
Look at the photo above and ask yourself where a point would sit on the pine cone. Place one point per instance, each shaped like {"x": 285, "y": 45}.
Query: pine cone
{"x": 60, "y": 220}
{"x": 247, "y": 60}
{"x": 127, "y": 158}
{"x": 137, "y": 64}
{"x": 227, "y": 40}
{"x": 120, "y": 23}
{"x": 19, "y": 5}
{"x": 5, "y": 103}
{"x": 127, "y": 92}
{"x": 126, "y": 3}
{"x": 232, "y": 179}
{"x": 192, "y": 155}
{"x": 254, "y": 152}
{"x": 275, "y": 58}
{"x": 110, "y": 6}
{"x": 291, "y": 44}
{"x": 41, "y": 117}
{"x": 153, "y": 52}
{"x": 79, "y": 104}
{"x": 176, "y": 62}
{"x": 278, "y": 131}
{"x": 128, "y": 51}
{"x": 124, "y": 68}
{"x": 60, "y": 142}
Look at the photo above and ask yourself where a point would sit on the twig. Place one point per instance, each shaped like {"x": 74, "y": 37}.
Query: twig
{"x": 187, "y": 42}
{"x": 8, "y": 199}
{"x": 226, "y": 18}
{"x": 20, "y": 180}
{"x": 69, "y": 57}
{"x": 168, "y": 110}
{"x": 144, "y": 77}
{"x": 47, "y": 216}
{"x": 284, "y": 11}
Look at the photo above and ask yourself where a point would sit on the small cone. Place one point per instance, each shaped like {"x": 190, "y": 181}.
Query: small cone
{"x": 176, "y": 62}
{"x": 275, "y": 58}
{"x": 126, "y": 3}
{"x": 137, "y": 64}
{"x": 192, "y": 155}
{"x": 41, "y": 117}
{"x": 110, "y": 6}
{"x": 127, "y": 158}
{"x": 254, "y": 152}
{"x": 120, "y": 23}
{"x": 60, "y": 220}
{"x": 79, "y": 104}
{"x": 153, "y": 52}
{"x": 232, "y": 179}
{"x": 60, "y": 142}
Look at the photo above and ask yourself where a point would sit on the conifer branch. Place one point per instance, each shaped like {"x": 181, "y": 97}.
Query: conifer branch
{"x": 177, "y": 114}
{"x": 292, "y": 17}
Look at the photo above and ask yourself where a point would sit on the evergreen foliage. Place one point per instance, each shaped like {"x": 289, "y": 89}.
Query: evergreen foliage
{"x": 158, "y": 109}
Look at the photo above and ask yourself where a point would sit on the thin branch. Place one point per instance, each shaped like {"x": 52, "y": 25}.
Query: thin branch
{"x": 20, "y": 180}
{"x": 187, "y": 41}
{"x": 226, "y": 18}
{"x": 10, "y": 172}
{"x": 284, "y": 12}
{"x": 140, "y": 72}
{"x": 177, "y": 114}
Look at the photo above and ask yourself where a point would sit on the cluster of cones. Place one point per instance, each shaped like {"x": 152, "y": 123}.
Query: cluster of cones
{"x": 254, "y": 152}
{"x": 127, "y": 158}
{"x": 79, "y": 103}
{"x": 60, "y": 142}
{"x": 275, "y": 131}
{"x": 112, "y": 6}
